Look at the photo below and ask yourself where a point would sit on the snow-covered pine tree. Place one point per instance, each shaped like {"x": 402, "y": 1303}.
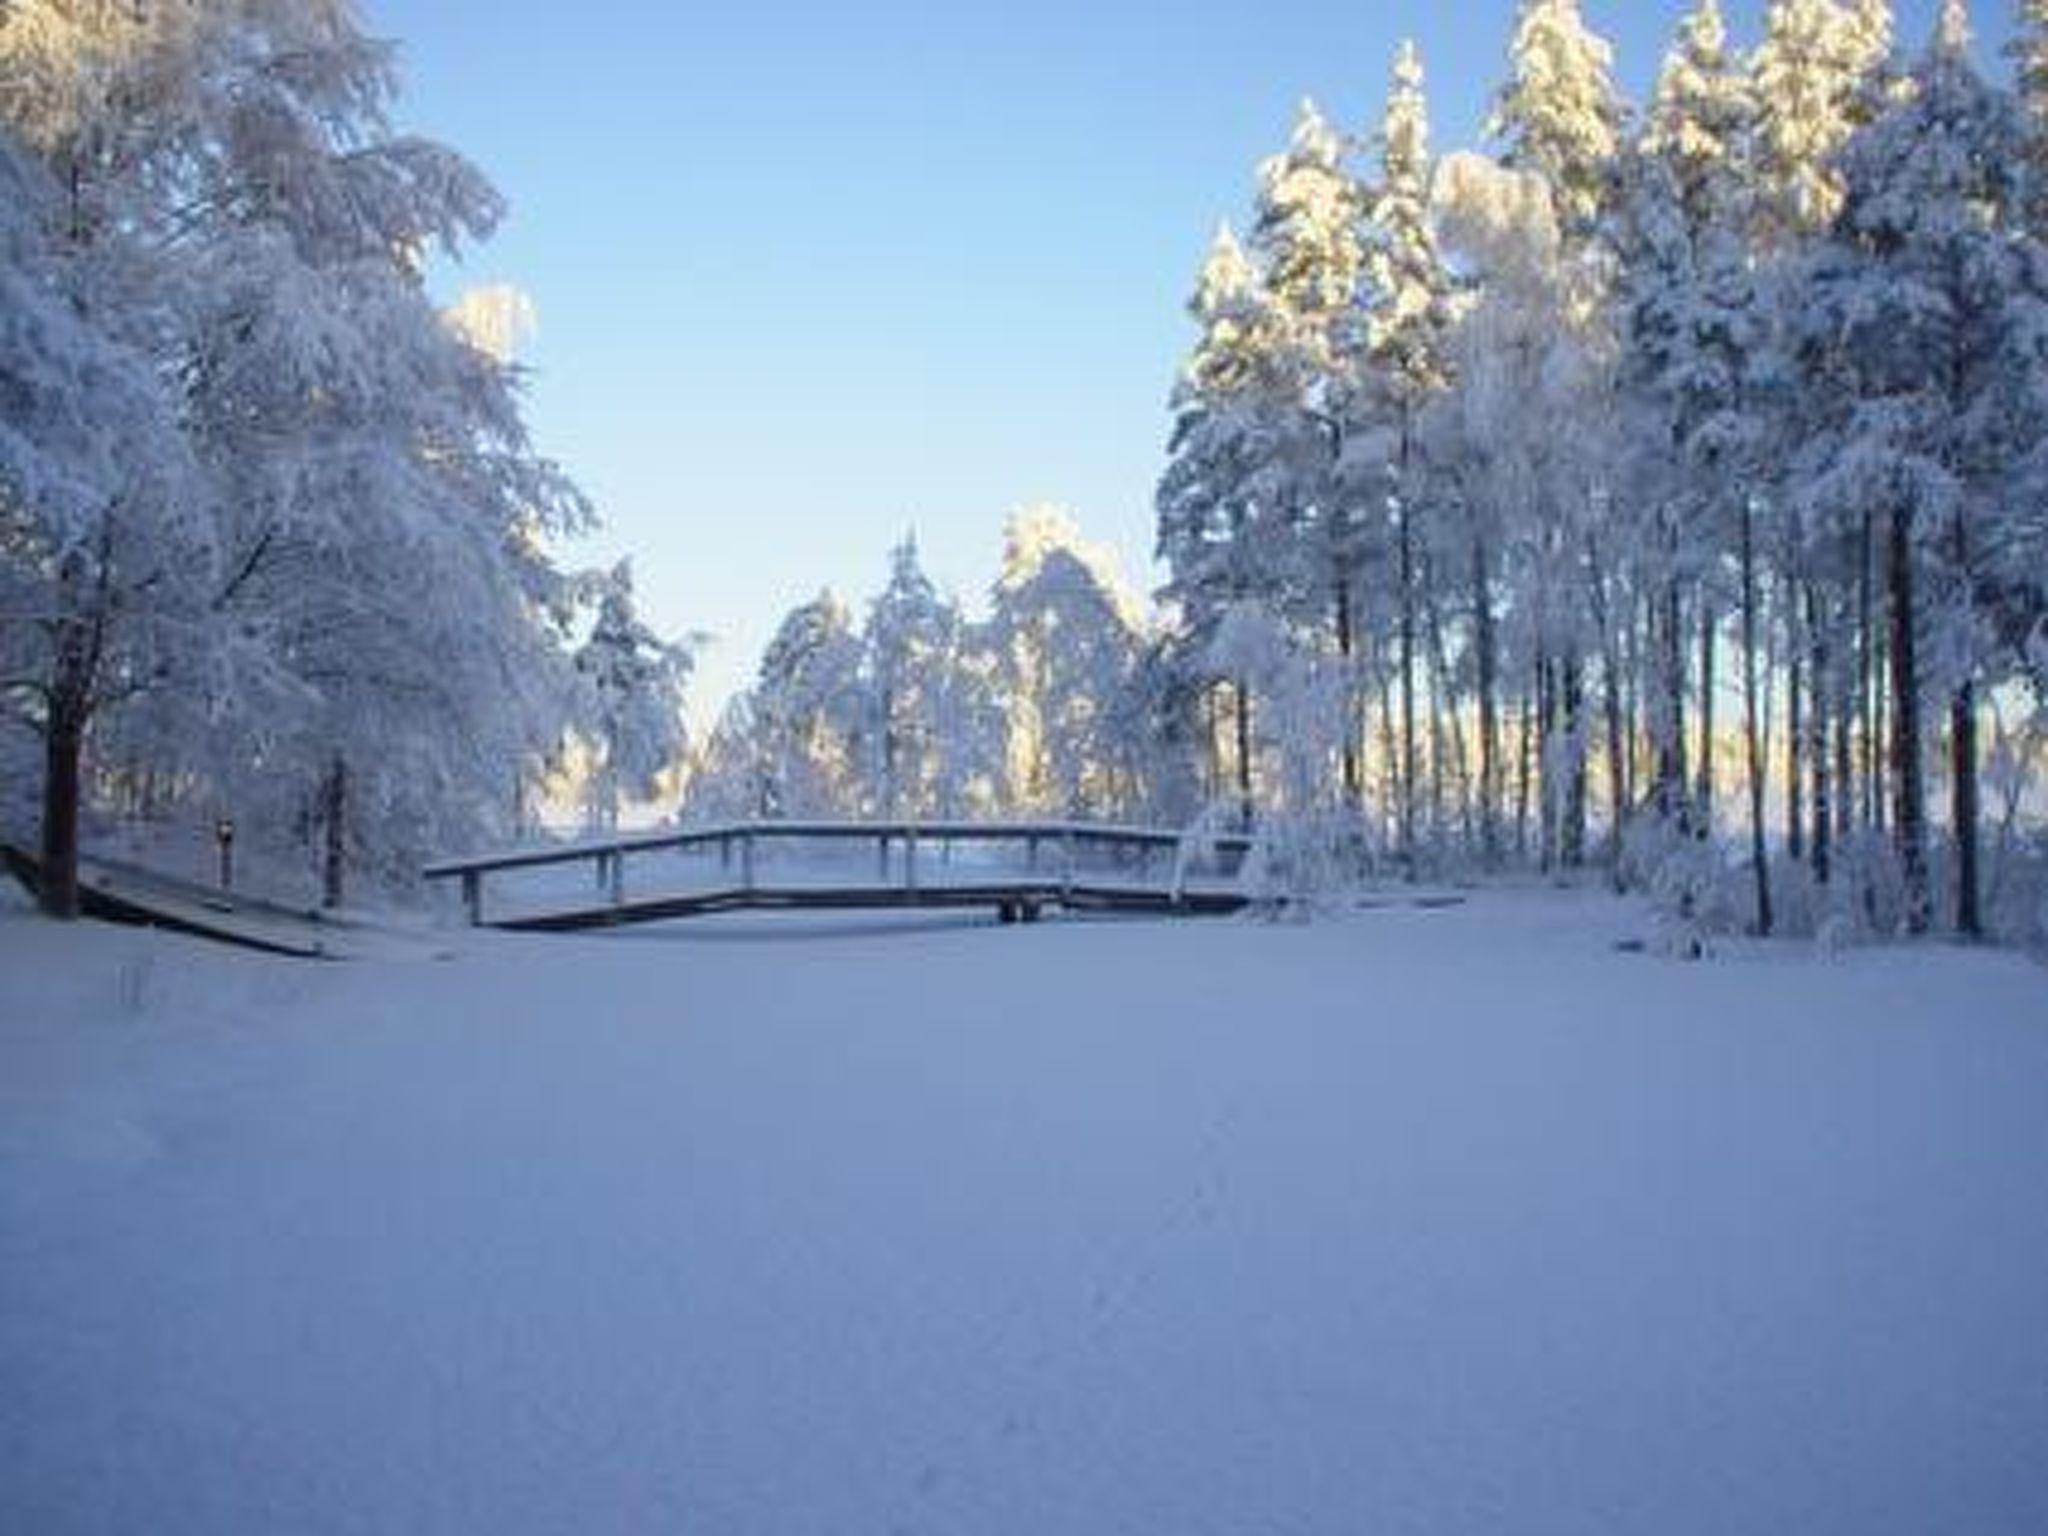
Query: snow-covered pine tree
{"x": 1308, "y": 241}
{"x": 930, "y": 733}
{"x": 1690, "y": 342}
{"x": 1066, "y": 638}
{"x": 1410, "y": 307}
{"x": 1928, "y": 312}
{"x": 1813, "y": 75}
{"x": 1559, "y": 115}
{"x": 1560, "y": 118}
{"x": 633, "y": 683}
{"x": 2028, "y": 50}
{"x": 1224, "y": 498}
{"x": 808, "y": 711}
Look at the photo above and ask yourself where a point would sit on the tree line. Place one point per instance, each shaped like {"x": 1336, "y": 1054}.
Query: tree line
{"x": 1662, "y": 492}
{"x": 1521, "y": 466}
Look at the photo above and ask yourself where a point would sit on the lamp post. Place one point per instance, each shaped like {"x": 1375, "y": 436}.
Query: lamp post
{"x": 224, "y": 841}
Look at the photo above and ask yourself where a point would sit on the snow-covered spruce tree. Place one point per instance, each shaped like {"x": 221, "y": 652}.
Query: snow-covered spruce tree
{"x": 1410, "y": 306}
{"x": 1928, "y": 314}
{"x": 808, "y": 713}
{"x": 1225, "y": 499}
{"x": 1695, "y": 374}
{"x": 106, "y": 547}
{"x": 1066, "y": 638}
{"x": 633, "y": 699}
{"x": 929, "y": 731}
{"x": 1559, "y": 115}
{"x": 1560, "y": 118}
{"x": 1815, "y": 83}
{"x": 1308, "y": 237}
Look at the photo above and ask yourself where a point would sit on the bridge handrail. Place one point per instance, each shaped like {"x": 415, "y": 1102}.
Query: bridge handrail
{"x": 849, "y": 831}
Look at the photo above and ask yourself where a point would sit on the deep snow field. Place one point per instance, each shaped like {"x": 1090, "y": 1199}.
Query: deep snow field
{"x": 1415, "y": 1221}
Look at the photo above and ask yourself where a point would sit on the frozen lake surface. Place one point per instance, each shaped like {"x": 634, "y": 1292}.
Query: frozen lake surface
{"x": 1411, "y": 1221}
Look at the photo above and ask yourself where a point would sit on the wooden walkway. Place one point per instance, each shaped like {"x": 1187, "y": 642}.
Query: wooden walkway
{"x": 119, "y": 892}
{"x": 1016, "y": 870}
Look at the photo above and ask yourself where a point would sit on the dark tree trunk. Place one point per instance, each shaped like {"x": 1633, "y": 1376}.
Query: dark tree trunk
{"x": 1962, "y": 726}
{"x": 1670, "y": 722}
{"x": 1963, "y": 786}
{"x": 1795, "y": 732}
{"x": 1752, "y": 729}
{"x": 63, "y": 750}
{"x": 1818, "y": 696}
{"x": 1573, "y": 675}
{"x": 334, "y": 818}
{"x": 1347, "y": 650}
{"x": 1909, "y": 795}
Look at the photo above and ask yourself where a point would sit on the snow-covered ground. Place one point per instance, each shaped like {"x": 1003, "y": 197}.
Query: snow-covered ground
{"x": 1417, "y": 1221}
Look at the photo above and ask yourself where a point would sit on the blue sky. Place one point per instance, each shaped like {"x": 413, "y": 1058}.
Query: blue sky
{"x": 810, "y": 275}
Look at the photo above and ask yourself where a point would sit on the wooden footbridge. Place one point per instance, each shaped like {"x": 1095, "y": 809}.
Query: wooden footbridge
{"x": 1016, "y": 870}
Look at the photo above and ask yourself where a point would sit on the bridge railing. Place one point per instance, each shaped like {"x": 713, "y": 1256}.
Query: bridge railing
{"x": 910, "y": 857}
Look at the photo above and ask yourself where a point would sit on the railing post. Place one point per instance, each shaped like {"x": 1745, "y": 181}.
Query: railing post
{"x": 910, "y": 861}
{"x": 617, "y": 884}
{"x": 1067, "y": 863}
{"x": 882, "y": 859}
{"x": 473, "y": 896}
{"x": 747, "y": 861}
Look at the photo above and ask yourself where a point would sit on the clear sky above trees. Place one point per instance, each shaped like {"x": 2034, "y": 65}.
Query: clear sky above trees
{"x": 810, "y": 274}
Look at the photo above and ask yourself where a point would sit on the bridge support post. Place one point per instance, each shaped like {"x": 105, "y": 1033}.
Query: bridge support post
{"x": 615, "y": 885}
{"x": 473, "y": 896}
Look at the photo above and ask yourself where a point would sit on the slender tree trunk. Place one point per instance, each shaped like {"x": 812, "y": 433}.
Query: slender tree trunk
{"x": 1489, "y": 707}
{"x": 1347, "y": 652}
{"x": 1795, "y": 730}
{"x": 1410, "y": 755}
{"x": 1867, "y": 681}
{"x": 1709, "y": 621}
{"x": 1963, "y": 786}
{"x": 1244, "y": 754}
{"x": 334, "y": 818}
{"x": 1909, "y": 797}
{"x": 1526, "y": 746}
{"x": 1452, "y": 745}
{"x": 1818, "y": 696}
{"x": 1963, "y": 807}
{"x": 1840, "y": 692}
{"x": 1572, "y": 676}
{"x": 1752, "y": 729}
{"x": 1670, "y": 716}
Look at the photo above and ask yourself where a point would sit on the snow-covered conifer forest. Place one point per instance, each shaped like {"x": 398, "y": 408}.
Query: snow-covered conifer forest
{"x": 1655, "y": 491}
{"x": 1659, "y": 492}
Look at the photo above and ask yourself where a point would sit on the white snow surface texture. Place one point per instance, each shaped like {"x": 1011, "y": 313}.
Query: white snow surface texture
{"x": 1452, "y": 1221}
